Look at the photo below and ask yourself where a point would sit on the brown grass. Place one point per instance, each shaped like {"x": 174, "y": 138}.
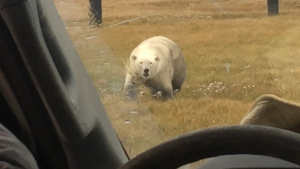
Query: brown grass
{"x": 262, "y": 51}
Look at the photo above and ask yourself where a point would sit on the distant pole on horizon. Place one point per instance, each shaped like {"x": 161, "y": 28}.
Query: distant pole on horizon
{"x": 273, "y": 7}
{"x": 95, "y": 12}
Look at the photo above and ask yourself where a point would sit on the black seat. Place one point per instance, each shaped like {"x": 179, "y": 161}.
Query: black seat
{"x": 46, "y": 96}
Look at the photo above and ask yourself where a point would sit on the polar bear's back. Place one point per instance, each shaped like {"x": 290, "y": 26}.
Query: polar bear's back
{"x": 162, "y": 42}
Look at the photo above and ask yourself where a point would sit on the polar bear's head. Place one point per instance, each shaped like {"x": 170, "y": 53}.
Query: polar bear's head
{"x": 146, "y": 64}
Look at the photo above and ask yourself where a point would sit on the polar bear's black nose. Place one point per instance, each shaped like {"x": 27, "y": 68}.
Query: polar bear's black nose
{"x": 146, "y": 70}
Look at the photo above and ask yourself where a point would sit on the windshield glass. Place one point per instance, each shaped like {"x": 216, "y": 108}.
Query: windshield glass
{"x": 234, "y": 52}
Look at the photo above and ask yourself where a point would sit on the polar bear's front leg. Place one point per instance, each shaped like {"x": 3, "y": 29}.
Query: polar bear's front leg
{"x": 166, "y": 86}
{"x": 130, "y": 87}
{"x": 163, "y": 86}
{"x": 167, "y": 92}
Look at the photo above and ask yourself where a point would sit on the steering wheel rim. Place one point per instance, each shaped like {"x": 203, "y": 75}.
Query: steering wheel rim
{"x": 217, "y": 141}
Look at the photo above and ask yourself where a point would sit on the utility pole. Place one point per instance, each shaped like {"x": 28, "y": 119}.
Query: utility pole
{"x": 95, "y": 12}
{"x": 273, "y": 7}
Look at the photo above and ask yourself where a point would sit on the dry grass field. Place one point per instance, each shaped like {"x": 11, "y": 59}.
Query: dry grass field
{"x": 234, "y": 53}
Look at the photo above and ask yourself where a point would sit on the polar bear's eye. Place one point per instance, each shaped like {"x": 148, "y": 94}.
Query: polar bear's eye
{"x": 133, "y": 57}
{"x": 150, "y": 62}
{"x": 141, "y": 62}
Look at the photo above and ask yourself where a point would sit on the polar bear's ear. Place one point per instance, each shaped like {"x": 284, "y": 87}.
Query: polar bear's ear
{"x": 133, "y": 57}
{"x": 157, "y": 58}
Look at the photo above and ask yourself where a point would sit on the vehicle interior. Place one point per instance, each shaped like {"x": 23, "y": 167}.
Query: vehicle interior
{"x": 48, "y": 100}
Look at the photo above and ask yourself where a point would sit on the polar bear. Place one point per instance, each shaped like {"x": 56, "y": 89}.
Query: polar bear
{"x": 271, "y": 110}
{"x": 158, "y": 63}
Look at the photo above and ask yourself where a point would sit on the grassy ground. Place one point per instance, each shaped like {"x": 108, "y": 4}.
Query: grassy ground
{"x": 234, "y": 53}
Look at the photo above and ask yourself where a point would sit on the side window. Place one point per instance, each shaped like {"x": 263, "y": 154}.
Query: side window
{"x": 234, "y": 52}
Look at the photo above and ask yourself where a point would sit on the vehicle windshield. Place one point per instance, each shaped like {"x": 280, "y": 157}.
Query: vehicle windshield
{"x": 234, "y": 52}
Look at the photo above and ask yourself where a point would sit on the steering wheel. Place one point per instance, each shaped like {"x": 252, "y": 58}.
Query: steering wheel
{"x": 216, "y": 141}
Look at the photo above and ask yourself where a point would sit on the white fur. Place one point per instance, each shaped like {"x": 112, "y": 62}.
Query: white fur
{"x": 165, "y": 62}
